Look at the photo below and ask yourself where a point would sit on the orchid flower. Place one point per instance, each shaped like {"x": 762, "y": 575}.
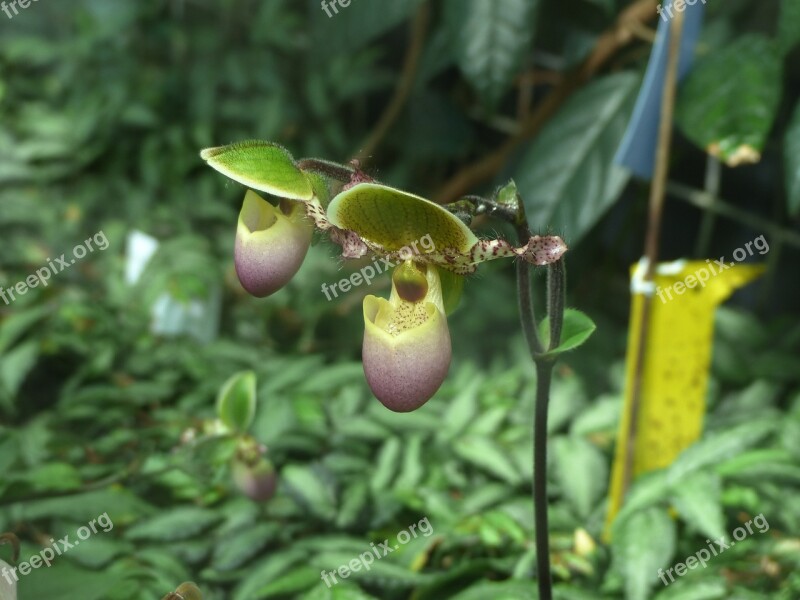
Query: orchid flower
{"x": 406, "y": 350}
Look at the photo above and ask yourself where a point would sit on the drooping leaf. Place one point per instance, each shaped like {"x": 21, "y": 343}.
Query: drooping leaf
{"x": 642, "y": 544}
{"x": 492, "y": 40}
{"x": 308, "y": 488}
{"x": 566, "y": 177}
{"x": 728, "y": 102}
{"x": 175, "y": 524}
{"x": 582, "y": 472}
{"x": 489, "y": 456}
{"x": 698, "y": 501}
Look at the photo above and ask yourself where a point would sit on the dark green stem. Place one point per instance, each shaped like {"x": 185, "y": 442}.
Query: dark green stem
{"x": 556, "y": 300}
{"x": 544, "y": 375}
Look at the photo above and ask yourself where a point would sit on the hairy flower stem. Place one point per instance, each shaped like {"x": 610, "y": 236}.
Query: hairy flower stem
{"x": 544, "y": 374}
{"x": 556, "y": 287}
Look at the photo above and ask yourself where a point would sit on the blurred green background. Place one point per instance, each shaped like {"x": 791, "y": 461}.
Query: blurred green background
{"x": 109, "y": 375}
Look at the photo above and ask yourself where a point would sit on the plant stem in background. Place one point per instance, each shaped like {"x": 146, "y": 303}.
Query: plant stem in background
{"x": 657, "y": 196}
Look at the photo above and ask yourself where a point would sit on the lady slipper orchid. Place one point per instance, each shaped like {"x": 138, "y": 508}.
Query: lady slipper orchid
{"x": 271, "y": 243}
{"x": 406, "y": 351}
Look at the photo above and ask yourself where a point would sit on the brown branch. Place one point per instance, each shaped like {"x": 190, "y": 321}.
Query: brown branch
{"x": 405, "y": 85}
{"x": 608, "y": 44}
{"x": 658, "y": 192}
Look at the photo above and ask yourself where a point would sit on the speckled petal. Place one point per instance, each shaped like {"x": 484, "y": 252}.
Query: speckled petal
{"x": 270, "y": 245}
{"x": 407, "y": 350}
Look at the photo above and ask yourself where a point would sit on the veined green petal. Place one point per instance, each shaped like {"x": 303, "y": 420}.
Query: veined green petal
{"x": 393, "y": 219}
{"x": 262, "y": 166}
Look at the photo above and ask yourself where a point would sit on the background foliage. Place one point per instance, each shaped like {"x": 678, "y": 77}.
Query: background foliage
{"x": 103, "y": 108}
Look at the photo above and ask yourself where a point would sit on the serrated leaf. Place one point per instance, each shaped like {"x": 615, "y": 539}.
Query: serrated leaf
{"x": 268, "y": 570}
{"x": 567, "y": 178}
{"x": 582, "y": 472}
{"x": 310, "y": 491}
{"x": 641, "y": 544}
{"x": 261, "y": 166}
{"x": 719, "y": 446}
{"x": 342, "y": 591}
{"x": 791, "y": 162}
{"x": 507, "y": 590}
{"x": 297, "y": 580}
{"x": 492, "y": 40}
{"x": 236, "y": 402}
{"x": 387, "y": 464}
{"x": 728, "y": 102}
{"x": 343, "y": 29}
{"x": 489, "y": 456}
{"x": 698, "y": 500}
{"x": 235, "y": 549}
{"x": 174, "y": 524}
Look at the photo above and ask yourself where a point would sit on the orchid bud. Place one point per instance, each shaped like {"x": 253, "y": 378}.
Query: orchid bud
{"x": 406, "y": 351}
{"x": 253, "y": 474}
{"x": 271, "y": 243}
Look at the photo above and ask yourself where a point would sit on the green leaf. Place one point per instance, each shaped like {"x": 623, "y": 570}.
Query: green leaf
{"x": 642, "y": 544}
{"x": 582, "y": 471}
{"x": 309, "y": 490}
{"x": 492, "y": 40}
{"x": 791, "y": 162}
{"x": 486, "y": 454}
{"x": 728, "y": 102}
{"x": 692, "y": 589}
{"x": 386, "y": 466}
{"x": 297, "y": 580}
{"x": 341, "y": 591}
{"x": 789, "y": 25}
{"x": 175, "y": 524}
{"x": 261, "y": 166}
{"x": 236, "y": 548}
{"x": 395, "y": 219}
{"x": 720, "y": 446}
{"x": 577, "y": 328}
{"x": 344, "y": 29}
{"x": 54, "y": 476}
{"x": 236, "y": 402}
{"x": 567, "y": 178}
{"x": 698, "y": 500}
{"x": 268, "y": 570}
{"x": 507, "y": 590}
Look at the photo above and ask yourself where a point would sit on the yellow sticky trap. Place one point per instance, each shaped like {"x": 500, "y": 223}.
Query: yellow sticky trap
{"x": 677, "y": 360}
